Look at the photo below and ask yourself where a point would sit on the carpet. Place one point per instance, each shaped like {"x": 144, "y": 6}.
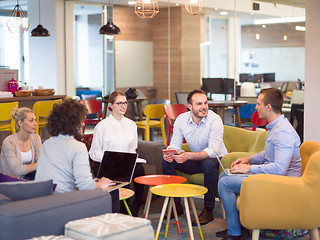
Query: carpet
{"x": 208, "y": 230}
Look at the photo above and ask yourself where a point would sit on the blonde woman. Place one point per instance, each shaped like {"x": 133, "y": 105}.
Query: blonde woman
{"x": 20, "y": 151}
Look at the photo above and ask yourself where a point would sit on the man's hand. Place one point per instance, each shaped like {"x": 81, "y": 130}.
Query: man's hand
{"x": 240, "y": 161}
{"x": 181, "y": 157}
{"x": 240, "y": 168}
{"x": 104, "y": 183}
{"x": 169, "y": 157}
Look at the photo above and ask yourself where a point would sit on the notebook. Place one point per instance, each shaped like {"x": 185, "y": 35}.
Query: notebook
{"x": 118, "y": 167}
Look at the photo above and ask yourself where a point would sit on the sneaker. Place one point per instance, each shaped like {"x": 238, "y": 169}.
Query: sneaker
{"x": 204, "y": 218}
{"x": 179, "y": 211}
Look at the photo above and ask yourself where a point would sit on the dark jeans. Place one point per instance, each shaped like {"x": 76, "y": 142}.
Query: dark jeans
{"x": 207, "y": 166}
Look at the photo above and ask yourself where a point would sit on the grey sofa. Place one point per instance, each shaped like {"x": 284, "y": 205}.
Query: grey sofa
{"x": 47, "y": 215}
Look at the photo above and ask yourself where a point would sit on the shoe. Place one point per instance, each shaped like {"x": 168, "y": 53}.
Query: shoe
{"x": 204, "y": 217}
{"x": 179, "y": 211}
{"x": 244, "y": 233}
{"x": 228, "y": 237}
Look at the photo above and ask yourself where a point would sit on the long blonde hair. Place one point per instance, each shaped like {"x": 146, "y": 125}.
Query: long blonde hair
{"x": 20, "y": 114}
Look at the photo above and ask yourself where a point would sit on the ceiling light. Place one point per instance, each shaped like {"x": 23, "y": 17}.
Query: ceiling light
{"x": 109, "y": 28}
{"x": 18, "y": 21}
{"x": 216, "y": 9}
{"x": 193, "y": 6}
{"x": 223, "y": 13}
{"x": 146, "y": 8}
{"x": 177, "y": 4}
{"x": 301, "y": 28}
{"x": 285, "y": 37}
{"x": 257, "y": 36}
{"x": 40, "y": 31}
{"x": 252, "y": 13}
{"x": 279, "y": 20}
{"x": 132, "y": 2}
{"x": 264, "y": 26}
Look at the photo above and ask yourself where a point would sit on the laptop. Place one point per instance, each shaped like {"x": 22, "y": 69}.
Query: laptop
{"x": 227, "y": 170}
{"x": 118, "y": 167}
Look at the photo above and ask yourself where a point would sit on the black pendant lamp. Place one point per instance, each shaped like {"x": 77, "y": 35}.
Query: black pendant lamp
{"x": 109, "y": 28}
{"x": 40, "y": 31}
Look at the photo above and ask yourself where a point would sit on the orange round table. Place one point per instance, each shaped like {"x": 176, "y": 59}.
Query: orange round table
{"x": 155, "y": 180}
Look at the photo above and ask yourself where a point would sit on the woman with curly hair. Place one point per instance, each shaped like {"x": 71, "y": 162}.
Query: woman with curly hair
{"x": 62, "y": 158}
{"x": 20, "y": 151}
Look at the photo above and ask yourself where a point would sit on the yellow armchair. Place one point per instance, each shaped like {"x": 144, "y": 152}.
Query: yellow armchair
{"x": 281, "y": 202}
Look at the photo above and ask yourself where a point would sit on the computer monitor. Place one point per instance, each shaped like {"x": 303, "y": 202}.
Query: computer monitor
{"x": 269, "y": 77}
{"x": 258, "y": 78}
{"x": 218, "y": 85}
{"x": 245, "y": 77}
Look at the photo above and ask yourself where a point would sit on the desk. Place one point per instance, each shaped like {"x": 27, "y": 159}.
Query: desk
{"x": 136, "y": 100}
{"x": 224, "y": 104}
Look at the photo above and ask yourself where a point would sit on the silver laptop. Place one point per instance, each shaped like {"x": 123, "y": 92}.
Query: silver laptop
{"x": 118, "y": 167}
{"x": 227, "y": 170}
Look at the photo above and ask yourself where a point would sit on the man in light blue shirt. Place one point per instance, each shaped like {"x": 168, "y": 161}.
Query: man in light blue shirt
{"x": 280, "y": 156}
{"x": 203, "y": 131}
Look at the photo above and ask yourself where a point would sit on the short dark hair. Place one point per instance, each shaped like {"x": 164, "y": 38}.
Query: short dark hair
{"x": 66, "y": 118}
{"x": 189, "y": 98}
{"x": 113, "y": 96}
{"x": 274, "y": 97}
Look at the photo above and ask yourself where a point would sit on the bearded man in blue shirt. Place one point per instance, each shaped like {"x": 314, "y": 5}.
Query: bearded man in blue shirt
{"x": 203, "y": 131}
{"x": 280, "y": 156}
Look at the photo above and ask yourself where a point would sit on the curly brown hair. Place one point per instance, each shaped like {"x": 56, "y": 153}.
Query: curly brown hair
{"x": 66, "y": 118}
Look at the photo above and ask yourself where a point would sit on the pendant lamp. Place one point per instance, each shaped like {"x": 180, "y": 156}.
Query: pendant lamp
{"x": 109, "y": 28}
{"x": 193, "y": 6}
{"x": 18, "y": 21}
{"x": 40, "y": 31}
{"x": 146, "y": 8}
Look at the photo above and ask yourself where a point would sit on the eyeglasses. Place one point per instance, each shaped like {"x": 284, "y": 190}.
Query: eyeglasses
{"x": 120, "y": 104}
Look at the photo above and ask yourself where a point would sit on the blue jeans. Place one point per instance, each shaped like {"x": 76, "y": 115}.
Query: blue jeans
{"x": 207, "y": 166}
{"x": 229, "y": 188}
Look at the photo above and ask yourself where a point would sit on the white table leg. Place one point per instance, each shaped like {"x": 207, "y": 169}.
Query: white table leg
{"x": 196, "y": 216}
{"x": 147, "y": 205}
{"x": 186, "y": 205}
{"x": 164, "y": 207}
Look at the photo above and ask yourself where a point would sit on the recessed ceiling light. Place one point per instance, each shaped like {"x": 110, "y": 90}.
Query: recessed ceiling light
{"x": 285, "y": 37}
{"x": 132, "y": 2}
{"x": 252, "y": 13}
{"x": 177, "y": 4}
{"x": 301, "y": 28}
{"x": 223, "y": 13}
{"x": 279, "y": 20}
{"x": 216, "y": 9}
{"x": 264, "y": 26}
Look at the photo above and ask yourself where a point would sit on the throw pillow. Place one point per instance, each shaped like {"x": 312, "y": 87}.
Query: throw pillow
{"x": 26, "y": 190}
{"x": 6, "y": 178}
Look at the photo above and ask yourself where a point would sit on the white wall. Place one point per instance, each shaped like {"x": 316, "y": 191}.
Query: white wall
{"x": 312, "y": 84}
{"x": 288, "y": 63}
{"x": 134, "y": 63}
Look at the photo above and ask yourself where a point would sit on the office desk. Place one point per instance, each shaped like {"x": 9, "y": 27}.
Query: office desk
{"x": 137, "y": 101}
{"x": 225, "y": 104}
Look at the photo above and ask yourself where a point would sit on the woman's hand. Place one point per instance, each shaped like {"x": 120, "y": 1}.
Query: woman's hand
{"x": 104, "y": 183}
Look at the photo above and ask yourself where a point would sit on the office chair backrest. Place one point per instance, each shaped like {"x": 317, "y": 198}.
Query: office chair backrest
{"x": 257, "y": 122}
{"x": 93, "y": 106}
{"x": 154, "y": 111}
{"x": 297, "y": 97}
{"x": 181, "y": 98}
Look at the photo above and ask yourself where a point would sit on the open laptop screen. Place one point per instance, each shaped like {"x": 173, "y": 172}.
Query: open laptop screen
{"x": 117, "y": 166}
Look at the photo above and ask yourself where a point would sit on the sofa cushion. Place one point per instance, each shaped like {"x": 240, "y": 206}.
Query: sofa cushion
{"x": 4, "y": 199}
{"x": 26, "y": 190}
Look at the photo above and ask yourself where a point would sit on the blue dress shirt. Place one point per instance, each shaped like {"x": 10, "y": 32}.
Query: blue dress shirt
{"x": 281, "y": 154}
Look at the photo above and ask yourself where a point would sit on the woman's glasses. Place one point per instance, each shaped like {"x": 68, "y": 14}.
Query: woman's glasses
{"x": 120, "y": 104}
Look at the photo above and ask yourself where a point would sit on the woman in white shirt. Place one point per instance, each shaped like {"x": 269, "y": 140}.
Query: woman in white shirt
{"x": 20, "y": 151}
{"x": 118, "y": 133}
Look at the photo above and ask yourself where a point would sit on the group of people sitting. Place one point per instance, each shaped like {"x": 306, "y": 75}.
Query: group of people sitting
{"x": 65, "y": 160}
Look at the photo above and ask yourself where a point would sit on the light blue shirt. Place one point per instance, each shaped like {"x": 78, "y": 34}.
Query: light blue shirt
{"x": 281, "y": 154}
{"x": 207, "y": 136}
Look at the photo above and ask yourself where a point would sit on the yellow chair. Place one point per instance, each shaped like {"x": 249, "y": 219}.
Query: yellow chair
{"x": 281, "y": 202}
{"x": 153, "y": 111}
{"x": 42, "y": 110}
{"x": 5, "y": 116}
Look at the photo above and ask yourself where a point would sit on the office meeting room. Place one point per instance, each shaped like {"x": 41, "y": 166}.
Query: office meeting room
{"x": 159, "y": 119}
